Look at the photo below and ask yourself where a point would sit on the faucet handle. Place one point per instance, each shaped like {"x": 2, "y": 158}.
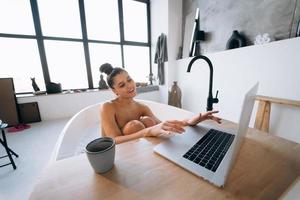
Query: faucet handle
{"x": 216, "y": 100}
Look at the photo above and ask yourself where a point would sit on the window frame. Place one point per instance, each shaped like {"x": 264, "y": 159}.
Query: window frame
{"x": 39, "y": 37}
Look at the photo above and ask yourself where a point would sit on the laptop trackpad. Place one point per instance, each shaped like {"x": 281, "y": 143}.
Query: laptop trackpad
{"x": 175, "y": 147}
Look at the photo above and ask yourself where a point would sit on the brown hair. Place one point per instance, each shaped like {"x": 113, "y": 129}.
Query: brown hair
{"x": 111, "y": 72}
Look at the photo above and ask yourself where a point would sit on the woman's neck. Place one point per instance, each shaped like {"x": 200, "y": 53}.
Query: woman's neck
{"x": 124, "y": 101}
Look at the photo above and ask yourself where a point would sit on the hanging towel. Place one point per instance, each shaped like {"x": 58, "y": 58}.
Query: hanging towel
{"x": 161, "y": 56}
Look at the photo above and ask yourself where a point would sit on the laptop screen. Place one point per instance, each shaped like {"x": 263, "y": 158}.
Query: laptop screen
{"x": 245, "y": 116}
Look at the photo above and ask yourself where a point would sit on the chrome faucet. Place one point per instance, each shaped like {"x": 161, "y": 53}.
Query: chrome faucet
{"x": 210, "y": 99}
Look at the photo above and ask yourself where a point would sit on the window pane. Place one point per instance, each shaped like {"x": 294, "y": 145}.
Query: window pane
{"x": 137, "y": 62}
{"x": 66, "y": 64}
{"x": 16, "y": 17}
{"x": 135, "y": 21}
{"x": 60, "y": 18}
{"x": 102, "y": 20}
{"x": 21, "y": 61}
{"x": 103, "y": 53}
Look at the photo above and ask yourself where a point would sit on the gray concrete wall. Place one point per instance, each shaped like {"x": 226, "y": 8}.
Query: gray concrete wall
{"x": 218, "y": 18}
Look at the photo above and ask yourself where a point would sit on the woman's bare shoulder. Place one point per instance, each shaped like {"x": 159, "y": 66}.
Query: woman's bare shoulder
{"x": 142, "y": 106}
{"x": 108, "y": 106}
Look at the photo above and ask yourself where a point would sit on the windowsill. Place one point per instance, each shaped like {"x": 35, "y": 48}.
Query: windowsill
{"x": 144, "y": 89}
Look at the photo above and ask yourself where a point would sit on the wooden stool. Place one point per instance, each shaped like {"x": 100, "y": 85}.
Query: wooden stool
{"x": 262, "y": 119}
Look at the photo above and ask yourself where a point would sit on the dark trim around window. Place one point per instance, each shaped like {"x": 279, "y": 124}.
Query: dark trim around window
{"x": 85, "y": 44}
{"x": 40, "y": 39}
{"x": 149, "y": 41}
{"x": 121, "y": 27}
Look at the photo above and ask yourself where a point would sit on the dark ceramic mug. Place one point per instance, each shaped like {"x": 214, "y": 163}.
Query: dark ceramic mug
{"x": 101, "y": 154}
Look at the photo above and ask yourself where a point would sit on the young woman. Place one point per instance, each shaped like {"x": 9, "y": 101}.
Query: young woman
{"x": 125, "y": 119}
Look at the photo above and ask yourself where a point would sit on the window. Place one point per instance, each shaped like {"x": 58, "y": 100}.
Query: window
{"x": 67, "y": 41}
{"x": 135, "y": 21}
{"x": 60, "y": 18}
{"x": 103, "y": 53}
{"x": 102, "y": 20}
{"x": 16, "y": 17}
{"x": 137, "y": 62}
{"x": 65, "y": 61}
{"x": 21, "y": 61}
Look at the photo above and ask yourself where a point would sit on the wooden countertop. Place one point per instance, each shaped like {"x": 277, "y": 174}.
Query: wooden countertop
{"x": 265, "y": 167}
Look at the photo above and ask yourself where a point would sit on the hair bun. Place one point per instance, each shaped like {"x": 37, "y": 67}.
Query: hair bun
{"x": 106, "y": 68}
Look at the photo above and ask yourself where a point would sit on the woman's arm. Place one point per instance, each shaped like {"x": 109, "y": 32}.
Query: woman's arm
{"x": 153, "y": 131}
{"x": 111, "y": 129}
{"x": 202, "y": 117}
{"x": 187, "y": 122}
{"x": 133, "y": 136}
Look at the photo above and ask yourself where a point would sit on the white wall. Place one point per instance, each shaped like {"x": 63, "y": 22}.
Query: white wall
{"x": 159, "y": 24}
{"x": 174, "y": 37}
{"x": 274, "y": 65}
{"x": 166, "y": 17}
{"x": 56, "y": 106}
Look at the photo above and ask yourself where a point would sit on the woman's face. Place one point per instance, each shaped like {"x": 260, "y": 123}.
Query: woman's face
{"x": 124, "y": 85}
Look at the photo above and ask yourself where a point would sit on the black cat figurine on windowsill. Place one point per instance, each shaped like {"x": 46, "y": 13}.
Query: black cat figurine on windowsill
{"x": 34, "y": 85}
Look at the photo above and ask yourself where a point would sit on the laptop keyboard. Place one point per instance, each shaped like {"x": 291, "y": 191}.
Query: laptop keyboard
{"x": 210, "y": 149}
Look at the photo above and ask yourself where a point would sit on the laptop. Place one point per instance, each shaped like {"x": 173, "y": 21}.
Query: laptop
{"x": 207, "y": 151}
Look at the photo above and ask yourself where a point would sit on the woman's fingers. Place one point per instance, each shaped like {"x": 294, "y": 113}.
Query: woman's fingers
{"x": 208, "y": 113}
{"x": 166, "y": 132}
{"x": 217, "y": 119}
{"x": 178, "y": 126}
{"x": 175, "y": 123}
{"x": 174, "y": 127}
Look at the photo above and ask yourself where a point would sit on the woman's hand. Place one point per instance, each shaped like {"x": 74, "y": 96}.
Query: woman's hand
{"x": 202, "y": 117}
{"x": 166, "y": 128}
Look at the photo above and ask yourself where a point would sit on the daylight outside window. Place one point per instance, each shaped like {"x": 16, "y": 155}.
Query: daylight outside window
{"x": 60, "y": 18}
{"x": 135, "y": 21}
{"x": 102, "y": 20}
{"x": 16, "y": 17}
{"x": 21, "y": 61}
{"x": 66, "y": 64}
{"x": 137, "y": 62}
{"x": 67, "y": 41}
{"x": 103, "y": 53}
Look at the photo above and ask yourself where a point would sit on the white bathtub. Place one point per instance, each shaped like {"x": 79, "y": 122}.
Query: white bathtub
{"x": 85, "y": 126}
